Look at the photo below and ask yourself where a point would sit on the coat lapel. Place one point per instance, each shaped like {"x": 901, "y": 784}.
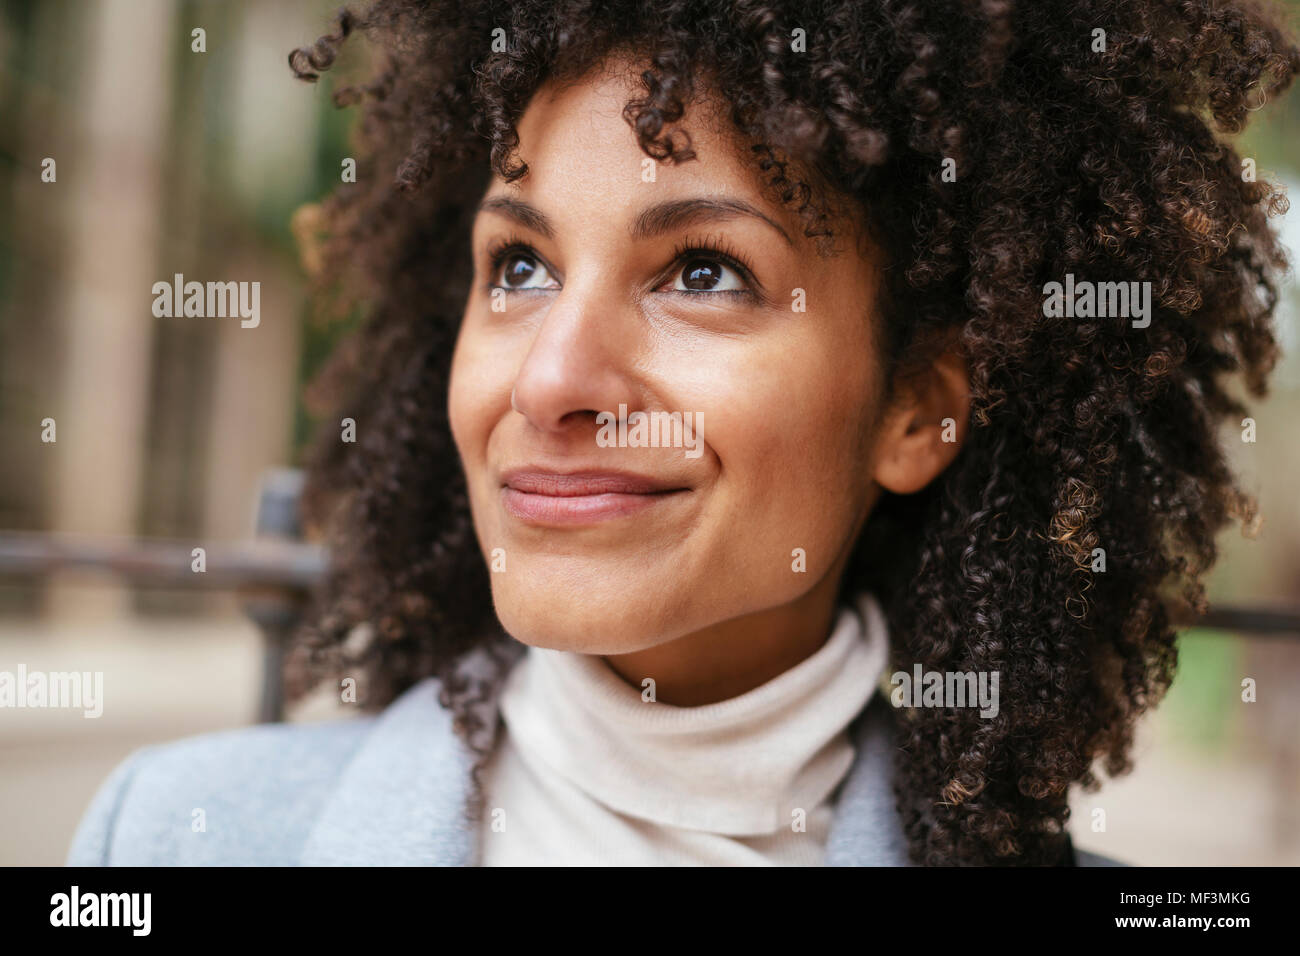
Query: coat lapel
{"x": 401, "y": 799}
{"x": 867, "y": 830}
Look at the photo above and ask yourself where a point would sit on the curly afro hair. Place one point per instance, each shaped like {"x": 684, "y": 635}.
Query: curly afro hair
{"x": 1101, "y": 154}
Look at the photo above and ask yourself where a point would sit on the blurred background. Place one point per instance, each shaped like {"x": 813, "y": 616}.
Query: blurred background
{"x": 171, "y": 430}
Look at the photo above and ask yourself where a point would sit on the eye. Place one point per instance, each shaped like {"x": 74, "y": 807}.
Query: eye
{"x": 701, "y": 274}
{"x": 520, "y": 269}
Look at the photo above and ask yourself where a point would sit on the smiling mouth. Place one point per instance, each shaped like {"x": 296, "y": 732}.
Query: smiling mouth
{"x": 555, "y": 500}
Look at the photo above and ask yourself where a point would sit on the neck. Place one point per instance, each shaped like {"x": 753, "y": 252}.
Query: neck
{"x": 733, "y": 657}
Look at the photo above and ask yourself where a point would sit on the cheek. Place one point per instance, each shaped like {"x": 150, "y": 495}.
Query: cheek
{"x": 473, "y": 410}
{"x": 796, "y": 452}
{"x": 472, "y": 393}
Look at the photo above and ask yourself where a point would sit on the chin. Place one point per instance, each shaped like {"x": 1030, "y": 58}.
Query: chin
{"x": 575, "y": 619}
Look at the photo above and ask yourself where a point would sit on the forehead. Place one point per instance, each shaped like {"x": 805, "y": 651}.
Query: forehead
{"x": 581, "y": 152}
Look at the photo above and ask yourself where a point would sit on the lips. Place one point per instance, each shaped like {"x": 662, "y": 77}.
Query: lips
{"x": 577, "y": 498}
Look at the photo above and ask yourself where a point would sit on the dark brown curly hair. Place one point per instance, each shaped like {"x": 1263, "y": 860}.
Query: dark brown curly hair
{"x": 1103, "y": 159}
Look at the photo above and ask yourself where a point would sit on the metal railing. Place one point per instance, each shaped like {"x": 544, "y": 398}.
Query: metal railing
{"x": 275, "y": 572}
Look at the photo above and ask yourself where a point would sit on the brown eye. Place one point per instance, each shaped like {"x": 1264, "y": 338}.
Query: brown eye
{"x": 521, "y": 270}
{"x": 708, "y": 275}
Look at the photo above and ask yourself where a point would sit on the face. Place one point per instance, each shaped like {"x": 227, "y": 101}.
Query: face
{"x": 608, "y": 285}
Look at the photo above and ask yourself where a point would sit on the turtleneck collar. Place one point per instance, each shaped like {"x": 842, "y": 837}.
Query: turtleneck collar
{"x": 738, "y": 767}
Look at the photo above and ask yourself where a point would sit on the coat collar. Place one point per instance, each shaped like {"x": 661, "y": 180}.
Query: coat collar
{"x": 400, "y": 801}
{"x": 867, "y": 829}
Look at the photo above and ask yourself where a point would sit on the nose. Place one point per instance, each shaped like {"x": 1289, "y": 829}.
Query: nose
{"x": 580, "y": 361}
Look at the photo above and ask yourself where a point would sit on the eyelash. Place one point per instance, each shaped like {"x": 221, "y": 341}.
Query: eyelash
{"x": 500, "y": 250}
{"x": 685, "y": 250}
{"x": 728, "y": 255}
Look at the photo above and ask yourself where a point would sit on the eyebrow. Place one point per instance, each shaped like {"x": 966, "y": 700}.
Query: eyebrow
{"x": 658, "y": 219}
{"x": 521, "y": 212}
{"x": 675, "y": 214}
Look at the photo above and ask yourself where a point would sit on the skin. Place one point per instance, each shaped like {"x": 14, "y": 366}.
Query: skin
{"x": 696, "y": 589}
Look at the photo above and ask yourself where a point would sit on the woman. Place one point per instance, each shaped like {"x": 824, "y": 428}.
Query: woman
{"x": 783, "y": 434}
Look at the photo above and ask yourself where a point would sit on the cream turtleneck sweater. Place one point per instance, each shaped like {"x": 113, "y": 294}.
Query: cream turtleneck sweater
{"x": 586, "y": 772}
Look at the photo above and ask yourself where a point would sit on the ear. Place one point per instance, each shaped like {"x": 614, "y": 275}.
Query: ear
{"x": 924, "y": 428}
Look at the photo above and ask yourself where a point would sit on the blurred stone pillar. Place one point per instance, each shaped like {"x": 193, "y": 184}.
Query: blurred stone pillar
{"x": 272, "y": 137}
{"x": 114, "y": 201}
{"x": 252, "y": 411}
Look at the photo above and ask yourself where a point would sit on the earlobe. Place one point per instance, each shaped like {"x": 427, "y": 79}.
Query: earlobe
{"x": 922, "y": 434}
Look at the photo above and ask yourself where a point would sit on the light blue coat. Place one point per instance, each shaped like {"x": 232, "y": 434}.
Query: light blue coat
{"x": 378, "y": 790}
